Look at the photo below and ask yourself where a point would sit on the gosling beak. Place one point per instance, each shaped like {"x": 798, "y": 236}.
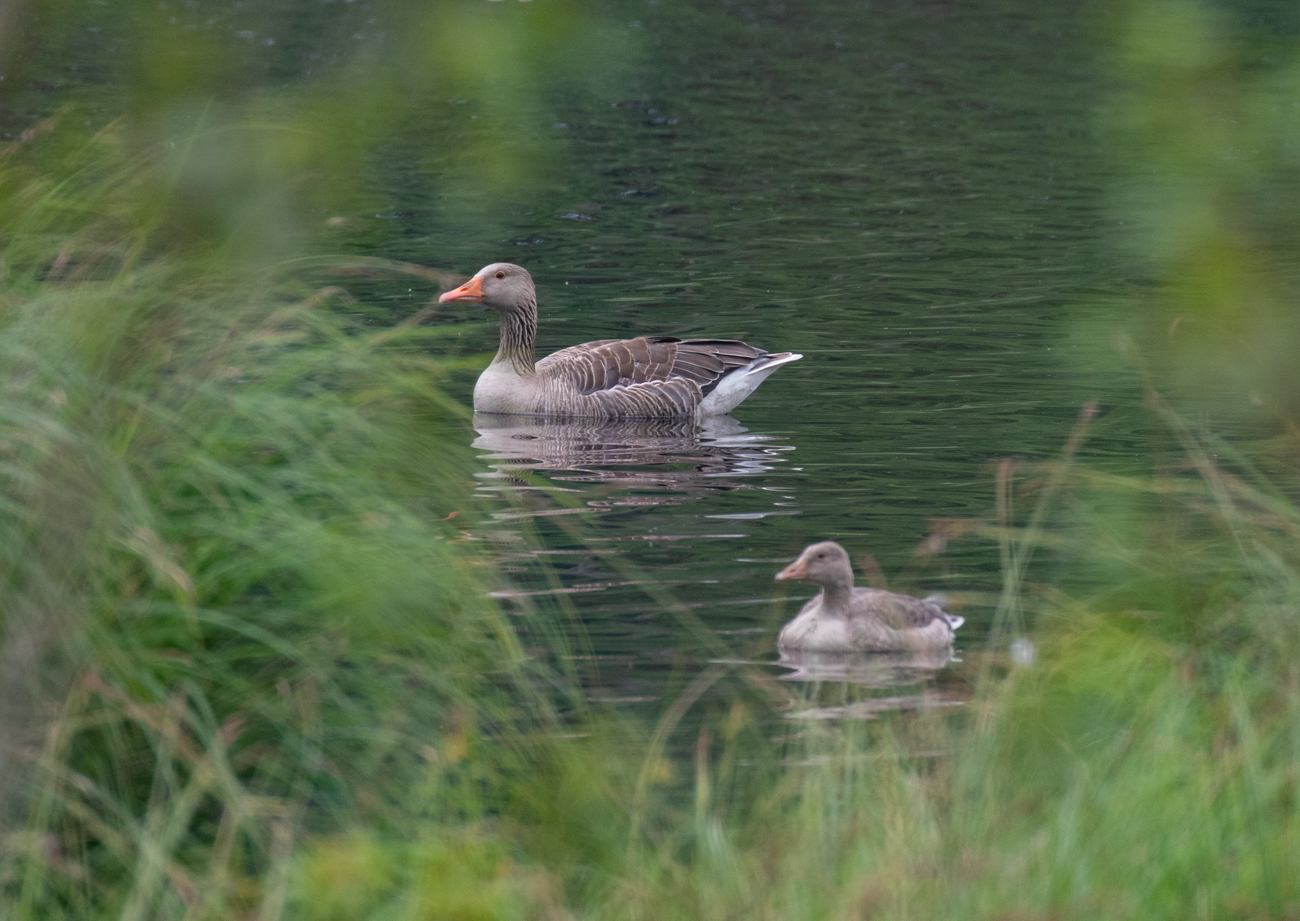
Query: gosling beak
{"x": 471, "y": 291}
{"x": 796, "y": 570}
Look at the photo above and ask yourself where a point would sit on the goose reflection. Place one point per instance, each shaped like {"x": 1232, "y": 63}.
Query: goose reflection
{"x": 650, "y": 455}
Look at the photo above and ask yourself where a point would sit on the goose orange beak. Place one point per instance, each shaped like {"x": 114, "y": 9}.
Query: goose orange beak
{"x": 796, "y": 570}
{"x": 472, "y": 290}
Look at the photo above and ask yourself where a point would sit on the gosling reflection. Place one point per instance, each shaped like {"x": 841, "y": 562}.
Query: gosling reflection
{"x": 873, "y": 669}
{"x": 831, "y": 684}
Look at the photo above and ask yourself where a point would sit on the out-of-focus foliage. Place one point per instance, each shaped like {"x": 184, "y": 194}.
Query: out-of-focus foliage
{"x": 460, "y": 875}
{"x": 232, "y": 585}
{"x": 236, "y": 608}
{"x": 276, "y": 118}
{"x": 1207, "y": 130}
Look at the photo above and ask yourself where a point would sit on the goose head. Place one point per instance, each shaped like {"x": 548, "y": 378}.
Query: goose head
{"x": 501, "y": 286}
{"x": 826, "y": 564}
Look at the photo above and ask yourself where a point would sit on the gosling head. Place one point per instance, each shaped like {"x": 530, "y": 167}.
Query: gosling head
{"x": 826, "y": 564}
{"x": 500, "y": 286}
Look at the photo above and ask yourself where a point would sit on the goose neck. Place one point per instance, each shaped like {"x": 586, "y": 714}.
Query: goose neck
{"x": 519, "y": 339}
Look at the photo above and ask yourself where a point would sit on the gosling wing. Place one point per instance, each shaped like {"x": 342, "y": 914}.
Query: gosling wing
{"x": 898, "y": 611}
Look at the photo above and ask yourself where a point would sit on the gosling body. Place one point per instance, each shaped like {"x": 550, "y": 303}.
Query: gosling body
{"x": 848, "y": 618}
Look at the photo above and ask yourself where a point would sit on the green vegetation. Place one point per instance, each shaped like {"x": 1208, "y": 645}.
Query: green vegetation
{"x": 226, "y": 561}
{"x": 251, "y": 669}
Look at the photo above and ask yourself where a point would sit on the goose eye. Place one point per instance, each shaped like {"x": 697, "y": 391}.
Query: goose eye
{"x": 501, "y": 274}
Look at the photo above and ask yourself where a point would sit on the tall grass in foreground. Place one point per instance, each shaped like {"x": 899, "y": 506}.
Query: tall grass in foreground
{"x": 1144, "y": 767}
{"x": 232, "y": 607}
{"x": 250, "y": 672}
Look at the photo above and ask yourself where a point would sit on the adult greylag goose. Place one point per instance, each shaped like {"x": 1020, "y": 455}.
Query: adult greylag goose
{"x": 848, "y": 618}
{"x": 650, "y": 377}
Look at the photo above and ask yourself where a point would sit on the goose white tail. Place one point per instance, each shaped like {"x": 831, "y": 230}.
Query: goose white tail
{"x": 732, "y": 389}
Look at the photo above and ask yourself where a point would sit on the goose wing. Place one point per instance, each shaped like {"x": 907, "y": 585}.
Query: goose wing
{"x": 594, "y": 367}
{"x": 708, "y": 361}
{"x": 670, "y": 399}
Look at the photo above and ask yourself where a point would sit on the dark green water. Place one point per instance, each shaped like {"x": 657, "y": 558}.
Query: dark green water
{"x": 910, "y": 194}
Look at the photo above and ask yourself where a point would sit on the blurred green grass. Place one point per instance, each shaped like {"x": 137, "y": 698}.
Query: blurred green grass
{"x": 227, "y": 554}
{"x": 251, "y": 670}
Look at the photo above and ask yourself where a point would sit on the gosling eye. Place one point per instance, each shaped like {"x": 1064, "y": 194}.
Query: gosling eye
{"x": 821, "y": 556}
{"x": 501, "y": 274}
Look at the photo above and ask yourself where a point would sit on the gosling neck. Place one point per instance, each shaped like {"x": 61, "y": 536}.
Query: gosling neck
{"x": 519, "y": 339}
{"x": 836, "y": 593}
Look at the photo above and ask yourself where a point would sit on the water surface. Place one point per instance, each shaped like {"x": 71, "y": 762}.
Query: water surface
{"x": 908, "y": 193}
